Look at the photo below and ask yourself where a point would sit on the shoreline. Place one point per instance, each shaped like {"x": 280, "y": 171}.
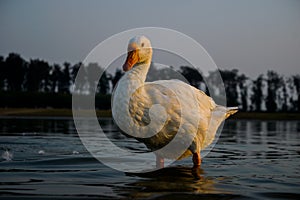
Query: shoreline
{"x": 51, "y": 112}
{"x": 45, "y": 112}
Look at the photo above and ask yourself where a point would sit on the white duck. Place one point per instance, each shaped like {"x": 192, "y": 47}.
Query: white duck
{"x": 194, "y": 114}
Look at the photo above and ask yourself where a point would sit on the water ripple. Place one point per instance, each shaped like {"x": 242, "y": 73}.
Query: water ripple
{"x": 252, "y": 160}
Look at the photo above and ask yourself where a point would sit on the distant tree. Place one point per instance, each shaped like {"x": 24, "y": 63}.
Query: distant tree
{"x": 15, "y": 71}
{"x": 161, "y": 72}
{"x": 230, "y": 78}
{"x": 55, "y": 77}
{"x": 285, "y": 95}
{"x": 274, "y": 82}
{"x": 80, "y": 80}
{"x": 2, "y": 73}
{"x": 291, "y": 92}
{"x": 104, "y": 83}
{"x": 92, "y": 69}
{"x": 241, "y": 79}
{"x": 74, "y": 70}
{"x": 257, "y": 97}
{"x": 215, "y": 87}
{"x": 273, "y": 90}
{"x": 116, "y": 77}
{"x": 153, "y": 73}
{"x": 192, "y": 75}
{"x": 296, "y": 79}
{"x": 65, "y": 78}
{"x": 37, "y": 76}
{"x": 87, "y": 81}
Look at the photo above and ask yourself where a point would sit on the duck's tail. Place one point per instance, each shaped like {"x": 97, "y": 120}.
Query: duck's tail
{"x": 230, "y": 111}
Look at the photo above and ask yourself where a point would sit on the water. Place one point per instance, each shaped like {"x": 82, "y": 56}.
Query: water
{"x": 43, "y": 158}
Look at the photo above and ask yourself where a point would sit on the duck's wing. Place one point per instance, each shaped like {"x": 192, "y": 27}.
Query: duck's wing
{"x": 150, "y": 94}
{"x": 175, "y": 96}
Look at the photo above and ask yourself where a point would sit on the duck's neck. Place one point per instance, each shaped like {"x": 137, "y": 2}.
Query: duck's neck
{"x": 139, "y": 72}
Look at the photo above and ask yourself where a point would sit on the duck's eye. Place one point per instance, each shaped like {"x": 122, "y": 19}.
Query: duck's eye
{"x": 142, "y": 44}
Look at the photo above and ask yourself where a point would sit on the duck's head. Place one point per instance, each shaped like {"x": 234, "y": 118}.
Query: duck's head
{"x": 139, "y": 52}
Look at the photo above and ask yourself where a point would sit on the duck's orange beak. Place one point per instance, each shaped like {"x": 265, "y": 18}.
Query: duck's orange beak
{"x": 131, "y": 60}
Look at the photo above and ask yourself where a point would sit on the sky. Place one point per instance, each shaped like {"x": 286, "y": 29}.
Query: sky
{"x": 252, "y": 36}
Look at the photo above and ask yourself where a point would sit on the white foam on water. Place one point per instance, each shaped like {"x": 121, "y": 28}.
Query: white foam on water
{"x": 6, "y": 155}
{"x": 41, "y": 152}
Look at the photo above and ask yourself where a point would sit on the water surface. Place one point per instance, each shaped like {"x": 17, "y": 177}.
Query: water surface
{"x": 251, "y": 160}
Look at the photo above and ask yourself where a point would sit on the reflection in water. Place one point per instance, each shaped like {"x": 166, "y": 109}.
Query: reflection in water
{"x": 37, "y": 125}
{"x": 262, "y": 139}
{"x": 172, "y": 180}
{"x": 262, "y": 132}
{"x": 256, "y": 159}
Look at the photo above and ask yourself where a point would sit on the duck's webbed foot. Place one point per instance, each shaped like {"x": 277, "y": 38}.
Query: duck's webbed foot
{"x": 196, "y": 160}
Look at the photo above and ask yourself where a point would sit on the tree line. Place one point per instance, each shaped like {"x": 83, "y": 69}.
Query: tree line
{"x": 41, "y": 84}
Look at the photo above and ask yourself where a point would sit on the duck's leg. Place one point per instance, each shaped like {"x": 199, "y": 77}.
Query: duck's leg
{"x": 159, "y": 162}
{"x": 196, "y": 159}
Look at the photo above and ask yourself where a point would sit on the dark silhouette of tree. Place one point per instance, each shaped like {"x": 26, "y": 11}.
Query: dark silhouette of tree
{"x": 241, "y": 79}
{"x": 156, "y": 73}
{"x": 37, "y": 76}
{"x": 17, "y": 76}
{"x": 274, "y": 82}
{"x": 296, "y": 80}
{"x": 55, "y": 78}
{"x": 291, "y": 94}
{"x": 230, "y": 78}
{"x": 192, "y": 75}
{"x": 2, "y": 73}
{"x": 257, "y": 97}
{"x": 74, "y": 71}
{"x": 81, "y": 80}
{"x": 116, "y": 77}
{"x": 215, "y": 83}
{"x": 104, "y": 83}
{"x": 92, "y": 69}
{"x": 60, "y": 78}
{"x": 153, "y": 73}
{"x": 87, "y": 83}
{"x": 285, "y": 95}
{"x": 65, "y": 79}
{"x": 15, "y": 71}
